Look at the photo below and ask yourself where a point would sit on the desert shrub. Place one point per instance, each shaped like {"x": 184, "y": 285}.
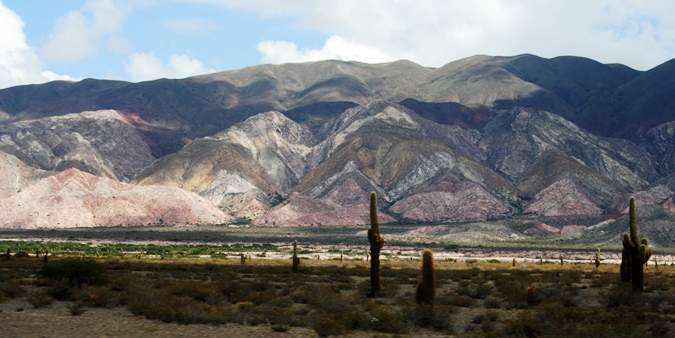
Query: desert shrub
{"x": 60, "y": 291}
{"x": 436, "y": 317}
{"x": 553, "y": 320}
{"x": 98, "y": 297}
{"x": 569, "y": 277}
{"x": 621, "y": 295}
{"x": 76, "y": 309}
{"x": 280, "y": 328}
{"x": 456, "y": 300}
{"x": 514, "y": 290}
{"x": 659, "y": 329}
{"x": 492, "y": 302}
{"x": 160, "y": 305}
{"x": 479, "y": 291}
{"x": 121, "y": 283}
{"x": 77, "y": 272}
{"x": 385, "y": 318}
{"x": 329, "y": 325}
{"x": 39, "y": 299}
{"x": 21, "y": 254}
{"x": 657, "y": 282}
{"x": 197, "y": 291}
{"x": 10, "y": 289}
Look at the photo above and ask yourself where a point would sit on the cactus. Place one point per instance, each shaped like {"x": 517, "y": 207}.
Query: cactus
{"x": 597, "y": 259}
{"x": 296, "y": 259}
{"x": 561, "y": 260}
{"x": 242, "y": 258}
{"x": 532, "y": 297}
{"x": 636, "y": 252}
{"x": 426, "y": 289}
{"x": 514, "y": 263}
{"x": 376, "y": 243}
{"x": 45, "y": 258}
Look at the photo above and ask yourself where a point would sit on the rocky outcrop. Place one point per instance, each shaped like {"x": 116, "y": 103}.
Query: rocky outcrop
{"x": 73, "y": 198}
{"x": 104, "y": 142}
{"x": 516, "y": 139}
{"x": 562, "y": 198}
{"x": 300, "y": 210}
{"x": 471, "y": 202}
{"x": 16, "y": 175}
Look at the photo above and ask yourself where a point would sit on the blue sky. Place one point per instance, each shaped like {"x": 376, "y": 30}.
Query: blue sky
{"x": 218, "y": 37}
{"x": 146, "y": 39}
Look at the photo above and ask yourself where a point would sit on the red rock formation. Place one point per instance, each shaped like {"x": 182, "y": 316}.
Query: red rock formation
{"x": 73, "y": 198}
{"x": 301, "y": 210}
{"x": 562, "y": 198}
{"x": 470, "y": 203}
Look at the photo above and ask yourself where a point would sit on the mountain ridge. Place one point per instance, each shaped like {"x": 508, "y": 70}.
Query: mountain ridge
{"x": 479, "y": 138}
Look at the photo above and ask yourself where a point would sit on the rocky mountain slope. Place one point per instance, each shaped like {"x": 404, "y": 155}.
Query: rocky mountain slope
{"x": 105, "y": 143}
{"x": 303, "y": 144}
{"x": 73, "y": 198}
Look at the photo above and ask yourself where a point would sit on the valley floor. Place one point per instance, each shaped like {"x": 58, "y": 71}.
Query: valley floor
{"x": 207, "y": 297}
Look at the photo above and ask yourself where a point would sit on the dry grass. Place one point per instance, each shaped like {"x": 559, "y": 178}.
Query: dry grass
{"x": 476, "y": 299}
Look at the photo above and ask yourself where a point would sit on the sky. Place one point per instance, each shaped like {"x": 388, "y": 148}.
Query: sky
{"x": 139, "y": 40}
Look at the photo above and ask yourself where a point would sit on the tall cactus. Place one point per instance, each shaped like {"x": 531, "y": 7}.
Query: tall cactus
{"x": 296, "y": 259}
{"x": 376, "y": 244}
{"x": 597, "y": 259}
{"x": 636, "y": 252}
{"x": 426, "y": 289}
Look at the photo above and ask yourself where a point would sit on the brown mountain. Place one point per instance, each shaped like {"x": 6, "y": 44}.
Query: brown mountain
{"x": 303, "y": 144}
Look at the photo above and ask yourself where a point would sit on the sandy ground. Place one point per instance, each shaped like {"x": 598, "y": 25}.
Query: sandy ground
{"x": 18, "y": 319}
{"x": 56, "y": 321}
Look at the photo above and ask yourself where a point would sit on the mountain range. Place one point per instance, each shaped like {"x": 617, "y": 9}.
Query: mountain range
{"x": 303, "y": 144}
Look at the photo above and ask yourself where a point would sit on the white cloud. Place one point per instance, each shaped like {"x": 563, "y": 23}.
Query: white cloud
{"x": 335, "y": 48}
{"x": 19, "y": 63}
{"x": 147, "y": 66}
{"x": 434, "y": 32}
{"x": 190, "y": 25}
{"x": 77, "y": 34}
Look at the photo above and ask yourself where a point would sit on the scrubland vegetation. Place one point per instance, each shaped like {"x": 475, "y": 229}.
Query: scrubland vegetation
{"x": 206, "y": 285}
{"x": 471, "y": 298}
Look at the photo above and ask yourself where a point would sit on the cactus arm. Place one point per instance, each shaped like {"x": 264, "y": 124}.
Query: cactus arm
{"x": 627, "y": 242}
{"x": 645, "y": 253}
